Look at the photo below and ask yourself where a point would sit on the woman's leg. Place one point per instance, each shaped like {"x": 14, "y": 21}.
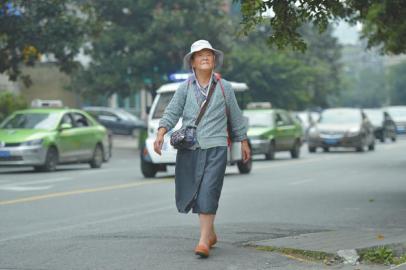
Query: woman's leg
{"x": 206, "y": 228}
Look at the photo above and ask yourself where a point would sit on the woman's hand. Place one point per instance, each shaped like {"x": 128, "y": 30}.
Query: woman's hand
{"x": 245, "y": 150}
{"x": 159, "y": 140}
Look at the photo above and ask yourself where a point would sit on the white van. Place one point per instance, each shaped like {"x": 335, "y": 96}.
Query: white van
{"x": 151, "y": 162}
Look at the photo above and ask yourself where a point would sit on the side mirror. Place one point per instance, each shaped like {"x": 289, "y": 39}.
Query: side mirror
{"x": 65, "y": 126}
{"x": 148, "y": 109}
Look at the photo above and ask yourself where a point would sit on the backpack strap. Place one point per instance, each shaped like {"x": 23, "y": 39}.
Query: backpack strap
{"x": 227, "y": 112}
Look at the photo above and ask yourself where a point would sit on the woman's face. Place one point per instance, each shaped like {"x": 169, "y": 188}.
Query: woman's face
{"x": 203, "y": 60}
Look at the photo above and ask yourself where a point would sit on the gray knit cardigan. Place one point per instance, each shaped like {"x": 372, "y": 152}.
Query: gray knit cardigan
{"x": 212, "y": 129}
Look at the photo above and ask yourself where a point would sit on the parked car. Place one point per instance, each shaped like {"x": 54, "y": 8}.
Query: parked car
{"x": 398, "y": 114}
{"x": 117, "y": 120}
{"x": 342, "y": 127}
{"x": 384, "y": 126}
{"x": 151, "y": 162}
{"x": 273, "y": 130}
{"x": 44, "y": 138}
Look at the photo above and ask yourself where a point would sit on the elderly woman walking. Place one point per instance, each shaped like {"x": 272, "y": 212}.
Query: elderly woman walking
{"x": 200, "y": 168}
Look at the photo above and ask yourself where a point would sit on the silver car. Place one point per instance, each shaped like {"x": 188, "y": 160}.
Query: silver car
{"x": 342, "y": 127}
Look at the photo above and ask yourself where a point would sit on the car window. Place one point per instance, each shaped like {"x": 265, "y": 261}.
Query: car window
{"x": 278, "y": 117}
{"x": 67, "y": 119}
{"x": 80, "y": 120}
{"x": 259, "y": 119}
{"x": 340, "y": 117}
{"x": 286, "y": 118}
{"x": 107, "y": 116}
{"x": 397, "y": 113}
{"x": 163, "y": 102}
{"x": 31, "y": 121}
{"x": 126, "y": 115}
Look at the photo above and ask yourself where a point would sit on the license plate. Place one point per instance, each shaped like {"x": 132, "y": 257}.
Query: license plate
{"x": 4, "y": 153}
{"x": 331, "y": 141}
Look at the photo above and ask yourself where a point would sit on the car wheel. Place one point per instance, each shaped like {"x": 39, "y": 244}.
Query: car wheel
{"x": 271, "y": 153}
{"x": 295, "y": 151}
{"x": 312, "y": 149}
{"x": 97, "y": 159}
{"x": 360, "y": 148}
{"x": 148, "y": 169}
{"x": 382, "y": 138}
{"x": 393, "y": 139}
{"x": 371, "y": 147}
{"x": 51, "y": 160}
{"x": 326, "y": 149}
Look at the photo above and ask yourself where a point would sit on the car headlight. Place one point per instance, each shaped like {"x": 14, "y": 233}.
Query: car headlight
{"x": 33, "y": 142}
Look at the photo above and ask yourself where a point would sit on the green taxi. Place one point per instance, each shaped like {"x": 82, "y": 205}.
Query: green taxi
{"x": 273, "y": 130}
{"x": 46, "y": 137}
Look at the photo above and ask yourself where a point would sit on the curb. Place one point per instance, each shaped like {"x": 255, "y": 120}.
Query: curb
{"x": 342, "y": 246}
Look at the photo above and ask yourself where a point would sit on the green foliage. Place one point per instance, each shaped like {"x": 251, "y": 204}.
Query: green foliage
{"x": 384, "y": 23}
{"x": 289, "y": 80}
{"x": 29, "y": 29}
{"x": 136, "y": 44}
{"x": 380, "y": 255}
{"x": 317, "y": 256}
{"x": 9, "y": 103}
{"x": 366, "y": 89}
{"x": 399, "y": 260}
{"x": 397, "y": 84}
{"x": 383, "y": 20}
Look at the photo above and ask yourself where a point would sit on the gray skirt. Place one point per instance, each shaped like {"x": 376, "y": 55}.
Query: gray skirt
{"x": 199, "y": 176}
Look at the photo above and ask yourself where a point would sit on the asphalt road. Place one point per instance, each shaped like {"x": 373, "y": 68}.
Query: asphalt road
{"x": 113, "y": 218}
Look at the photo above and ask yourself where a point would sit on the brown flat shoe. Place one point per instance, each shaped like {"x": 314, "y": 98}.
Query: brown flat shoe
{"x": 213, "y": 241}
{"x": 202, "y": 251}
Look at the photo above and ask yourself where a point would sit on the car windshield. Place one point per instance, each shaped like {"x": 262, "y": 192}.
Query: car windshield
{"x": 375, "y": 116}
{"x": 340, "y": 117}
{"x": 163, "y": 101}
{"x": 31, "y": 121}
{"x": 259, "y": 119}
{"x": 397, "y": 112}
{"x": 126, "y": 115}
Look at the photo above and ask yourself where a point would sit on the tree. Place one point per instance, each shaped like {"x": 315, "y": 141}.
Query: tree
{"x": 397, "y": 83}
{"x": 383, "y": 20}
{"x": 9, "y": 103}
{"x": 288, "y": 79}
{"x": 29, "y": 29}
{"x": 137, "y": 44}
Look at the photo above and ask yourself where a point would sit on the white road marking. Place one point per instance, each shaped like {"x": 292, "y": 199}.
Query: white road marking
{"x": 22, "y": 188}
{"x": 36, "y": 182}
{"x": 28, "y": 185}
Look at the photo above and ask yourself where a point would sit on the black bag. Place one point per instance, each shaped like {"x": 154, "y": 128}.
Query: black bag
{"x": 185, "y": 138}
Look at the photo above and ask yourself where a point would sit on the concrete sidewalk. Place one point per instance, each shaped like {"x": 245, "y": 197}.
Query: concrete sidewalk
{"x": 344, "y": 243}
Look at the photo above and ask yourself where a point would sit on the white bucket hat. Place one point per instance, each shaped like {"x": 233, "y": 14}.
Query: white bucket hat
{"x": 198, "y": 46}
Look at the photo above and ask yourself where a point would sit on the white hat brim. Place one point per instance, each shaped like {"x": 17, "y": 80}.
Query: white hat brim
{"x": 218, "y": 62}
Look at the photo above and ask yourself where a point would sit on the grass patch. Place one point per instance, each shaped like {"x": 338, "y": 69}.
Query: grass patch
{"x": 381, "y": 255}
{"x": 315, "y": 256}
